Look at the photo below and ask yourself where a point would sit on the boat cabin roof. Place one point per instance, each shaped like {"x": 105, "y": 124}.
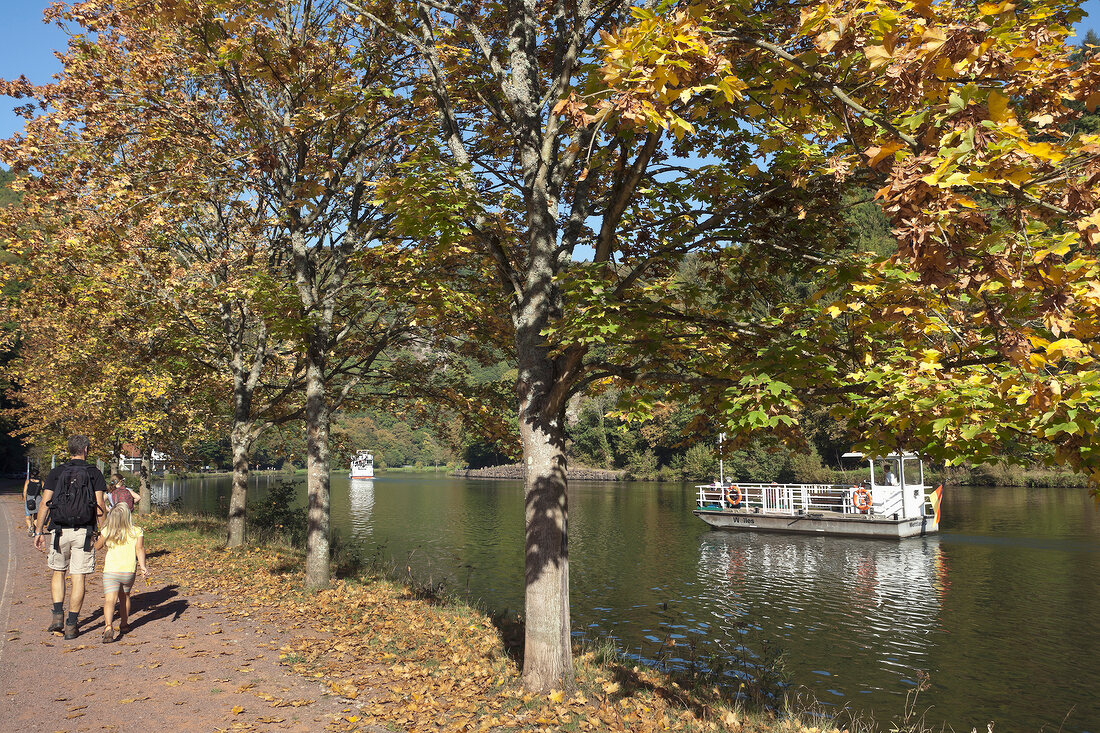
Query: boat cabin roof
{"x": 891, "y": 456}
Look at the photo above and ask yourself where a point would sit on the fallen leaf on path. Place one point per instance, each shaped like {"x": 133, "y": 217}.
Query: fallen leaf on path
{"x": 173, "y": 683}
{"x": 237, "y": 709}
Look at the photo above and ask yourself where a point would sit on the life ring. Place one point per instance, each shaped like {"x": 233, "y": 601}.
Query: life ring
{"x": 861, "y": 498}
{"x": 732, "y": 492}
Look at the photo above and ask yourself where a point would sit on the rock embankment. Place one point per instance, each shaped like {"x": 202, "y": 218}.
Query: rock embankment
{"x": 515, "y": 471}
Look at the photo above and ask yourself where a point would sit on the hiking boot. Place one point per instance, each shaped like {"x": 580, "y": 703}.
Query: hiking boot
{"x": 57, "y": 622}
{"x": 70, "y": 631}
{"x": 109, "y": 635}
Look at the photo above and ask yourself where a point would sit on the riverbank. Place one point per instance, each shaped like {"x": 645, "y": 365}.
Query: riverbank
{"x": 515, "y": 472}
{"x": 399, "y": 656}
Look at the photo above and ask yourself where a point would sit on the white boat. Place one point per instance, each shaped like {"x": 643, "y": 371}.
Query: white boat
{"x": 362, "y": 465}
{"x": 893, "y": 503}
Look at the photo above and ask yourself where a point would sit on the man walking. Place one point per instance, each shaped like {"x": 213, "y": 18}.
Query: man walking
{"x": 72, "y": 496}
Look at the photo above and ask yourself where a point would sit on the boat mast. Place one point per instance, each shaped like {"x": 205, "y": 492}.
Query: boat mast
{"x": 721, "y": 467}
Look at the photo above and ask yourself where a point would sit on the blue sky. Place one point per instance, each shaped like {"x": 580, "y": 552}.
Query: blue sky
{"x": 27, "y": 45}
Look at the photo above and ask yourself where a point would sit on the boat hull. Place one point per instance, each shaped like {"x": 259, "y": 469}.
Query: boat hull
{"x": 362, "y": 473}
{"x": 837, "y": 524}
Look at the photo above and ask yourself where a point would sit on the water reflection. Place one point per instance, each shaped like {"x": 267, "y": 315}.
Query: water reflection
{"x": 361, "y": 501}
{"x": 868, "y": 603}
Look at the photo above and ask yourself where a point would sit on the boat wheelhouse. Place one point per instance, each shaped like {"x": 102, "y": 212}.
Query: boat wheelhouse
{"x": 893, "y": 503}
{"x": 362, "y": 465}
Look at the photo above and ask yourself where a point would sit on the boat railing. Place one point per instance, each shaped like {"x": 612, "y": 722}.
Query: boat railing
{"x": 798, "y": 499}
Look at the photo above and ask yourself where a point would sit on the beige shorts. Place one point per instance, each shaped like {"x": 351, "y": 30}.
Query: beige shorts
{"x": 71, "y": 557}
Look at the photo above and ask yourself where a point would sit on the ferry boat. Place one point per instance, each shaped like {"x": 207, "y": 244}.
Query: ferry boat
{"x": 362, "y": 465}
{"x": 893, "y": 503}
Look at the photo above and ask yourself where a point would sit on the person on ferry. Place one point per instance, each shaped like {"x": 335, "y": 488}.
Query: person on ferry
{"x": 891, "y": 479}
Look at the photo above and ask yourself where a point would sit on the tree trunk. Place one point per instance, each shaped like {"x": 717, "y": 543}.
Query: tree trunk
{"x": 547, "y": 656}
{"x": 240, "y": 441}
{"x": 116, "y": 449}
{"x": 145, "y": 503}
{"x": 317, "y": 468}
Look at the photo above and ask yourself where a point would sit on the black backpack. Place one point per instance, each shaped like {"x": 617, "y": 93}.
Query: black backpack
{"x": 73, "y": 503}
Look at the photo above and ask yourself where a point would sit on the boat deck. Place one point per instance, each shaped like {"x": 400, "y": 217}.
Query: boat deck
{"x": 862, "y": 510}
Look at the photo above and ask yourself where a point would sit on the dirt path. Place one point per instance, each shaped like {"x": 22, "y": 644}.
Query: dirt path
{"x": 184, "y": 665}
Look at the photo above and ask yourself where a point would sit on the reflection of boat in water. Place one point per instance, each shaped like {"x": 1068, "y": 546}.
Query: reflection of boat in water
{"x": 893, "y": 503}
{"x": 832, "y": 600}
{"x": 361, "y": 499}
{"x": 362, "y": 465}
{"x": 163, "y": 493}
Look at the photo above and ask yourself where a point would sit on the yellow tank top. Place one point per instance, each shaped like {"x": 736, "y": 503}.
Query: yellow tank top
{"x": 122, "y": 558}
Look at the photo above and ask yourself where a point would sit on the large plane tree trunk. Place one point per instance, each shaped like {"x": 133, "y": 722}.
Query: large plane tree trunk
{"x": 547, "y": 657}
{"x": 145, "y": 503}
{"x": 116, "y": 451}
{"x": 240, "y": 443}
{"x": 317, "y": 419}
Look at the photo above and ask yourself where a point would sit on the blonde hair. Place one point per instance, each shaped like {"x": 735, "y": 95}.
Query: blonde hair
{"x": 118, "y": 527}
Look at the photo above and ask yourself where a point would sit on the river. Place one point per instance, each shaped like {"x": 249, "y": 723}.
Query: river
{"x": 1001, "y": 610}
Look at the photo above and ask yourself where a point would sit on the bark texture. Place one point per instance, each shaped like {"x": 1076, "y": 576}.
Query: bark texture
{"x": 547, "y": 653}
{"x": 145, "y": 503}
{"x": 318, "y": 574}
{"x": 241, "y": 445}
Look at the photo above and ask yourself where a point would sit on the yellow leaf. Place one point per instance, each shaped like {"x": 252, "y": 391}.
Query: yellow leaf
{"x": 237, "y": 709}
{"x": 876, "y": 153}
{"x": 998, "y": 107}
{"x": 995, "y": 8}
{"x": 557, "y": 696}
{"x": 1067, "y": 347}
{"x": 1046, "y": 151}
{"x": 877, "y": 56}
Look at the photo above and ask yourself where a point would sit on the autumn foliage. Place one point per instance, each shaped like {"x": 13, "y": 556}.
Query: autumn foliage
{"x": 977, "y": 336}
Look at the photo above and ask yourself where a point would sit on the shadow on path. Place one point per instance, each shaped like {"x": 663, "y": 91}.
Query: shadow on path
{"x": 155, "y": 604}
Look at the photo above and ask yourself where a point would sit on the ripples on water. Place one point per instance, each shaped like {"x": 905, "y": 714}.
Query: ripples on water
{"x": 1000, "y": 609}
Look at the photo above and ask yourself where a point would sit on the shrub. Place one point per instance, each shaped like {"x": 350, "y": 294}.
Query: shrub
{"x": 699, "y": 463}
{"x": 276, "y": 516}
{"x": 807, "y": 469}
{"x": 641, "y": 466}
